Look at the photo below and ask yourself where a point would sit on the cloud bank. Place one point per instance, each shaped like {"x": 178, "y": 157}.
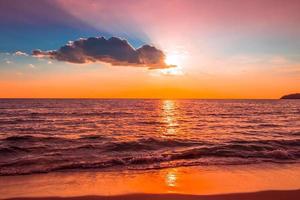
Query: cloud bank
{"x": 114, "y": 50}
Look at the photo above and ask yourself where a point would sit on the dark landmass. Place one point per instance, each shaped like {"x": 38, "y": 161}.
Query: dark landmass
{"x": 291, "y": 96}
{"x": 267, "y": 195}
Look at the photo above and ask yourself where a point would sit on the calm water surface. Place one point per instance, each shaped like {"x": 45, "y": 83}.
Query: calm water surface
{"x": 44, "y": 135}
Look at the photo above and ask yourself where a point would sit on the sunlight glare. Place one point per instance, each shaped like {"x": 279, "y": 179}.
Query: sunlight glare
{"x": 172, "y": 59}
{"x": 169, "y": 112}
{"x": 171, "y": 178}
{"x": 175, "y": 58}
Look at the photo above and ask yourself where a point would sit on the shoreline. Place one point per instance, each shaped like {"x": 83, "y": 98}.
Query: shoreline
{"x": 263, "y": 195}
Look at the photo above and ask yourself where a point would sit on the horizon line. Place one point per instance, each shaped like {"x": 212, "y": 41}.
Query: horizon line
{"x": 139, "y": 98}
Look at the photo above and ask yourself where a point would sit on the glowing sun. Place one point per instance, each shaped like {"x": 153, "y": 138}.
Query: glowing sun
{"x": 175, "y": 60}
{"x": 172, "y": 59}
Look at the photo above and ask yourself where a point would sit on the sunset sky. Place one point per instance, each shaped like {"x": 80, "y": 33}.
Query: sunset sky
{"x": 212, "y": 48}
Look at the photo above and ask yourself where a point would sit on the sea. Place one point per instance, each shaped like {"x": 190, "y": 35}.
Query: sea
{"x": 51, "y": 135}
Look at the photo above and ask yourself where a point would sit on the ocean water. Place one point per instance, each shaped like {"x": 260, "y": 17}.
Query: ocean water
{"x": 45, "y": 135}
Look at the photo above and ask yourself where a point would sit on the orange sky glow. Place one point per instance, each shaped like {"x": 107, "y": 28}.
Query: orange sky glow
{"x": 252, "y": 52}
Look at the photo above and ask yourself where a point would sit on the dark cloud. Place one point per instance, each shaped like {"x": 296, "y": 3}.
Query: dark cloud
{"x": 115, "y": 51}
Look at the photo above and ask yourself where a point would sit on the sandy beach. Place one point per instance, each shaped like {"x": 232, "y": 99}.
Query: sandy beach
{"x": 219, "y": 182}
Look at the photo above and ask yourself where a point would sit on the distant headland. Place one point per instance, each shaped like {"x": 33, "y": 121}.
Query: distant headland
{"x": 291, "y": 96}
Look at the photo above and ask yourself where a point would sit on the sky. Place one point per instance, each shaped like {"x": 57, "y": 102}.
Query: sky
{"x": 149, "y": 48}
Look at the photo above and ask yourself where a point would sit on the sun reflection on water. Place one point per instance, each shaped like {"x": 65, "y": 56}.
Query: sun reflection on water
{"x": 169, "y": 117}
{"x": 171, "y": 178}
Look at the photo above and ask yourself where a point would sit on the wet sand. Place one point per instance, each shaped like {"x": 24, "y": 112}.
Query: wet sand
{"x": 218, "y": 183}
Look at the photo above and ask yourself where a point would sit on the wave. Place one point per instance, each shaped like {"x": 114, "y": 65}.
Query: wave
{"x": 150, "y": 144}
{"x": 78, "y": 114}
{"x": 153, "y": 153}
{"x": 32, "y": 138}
{"x": 131, "y": 163}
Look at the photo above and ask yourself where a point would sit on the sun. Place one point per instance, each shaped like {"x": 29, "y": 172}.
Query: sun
{"x": 172, "y": 59}
{"x": 175, "y": 61}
